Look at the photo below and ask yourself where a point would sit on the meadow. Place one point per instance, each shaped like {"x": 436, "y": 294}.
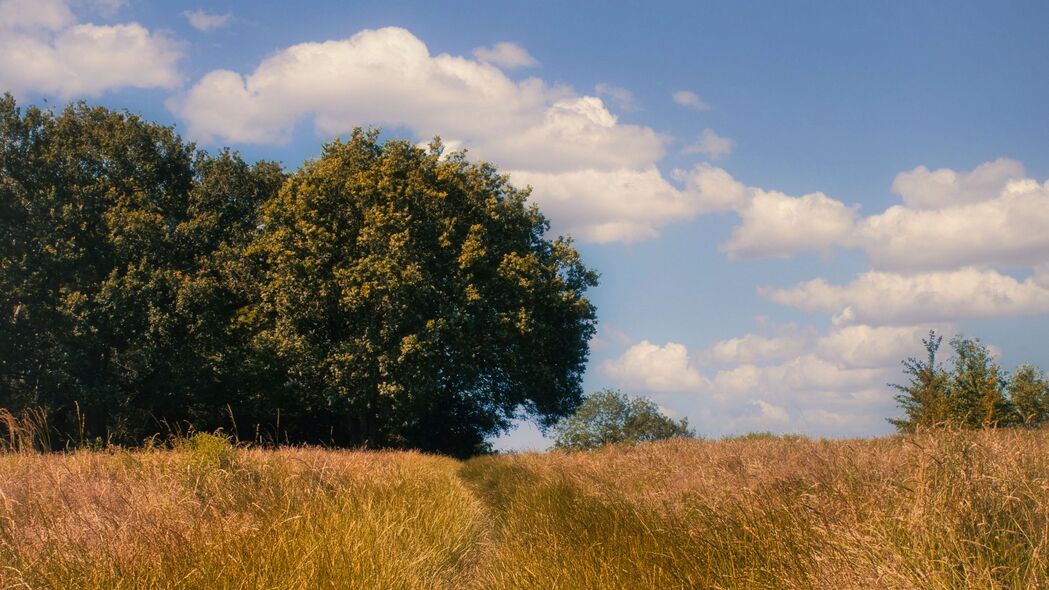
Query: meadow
{"x": 960, "y": 509}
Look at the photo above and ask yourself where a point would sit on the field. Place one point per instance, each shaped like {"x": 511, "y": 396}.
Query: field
{"x": 943, "y": 510}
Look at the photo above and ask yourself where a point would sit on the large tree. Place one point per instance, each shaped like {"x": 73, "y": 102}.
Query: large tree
{"x": 115, "y": 238}
{"x": 404, "y": 296}
{"x": 383, "y": 295}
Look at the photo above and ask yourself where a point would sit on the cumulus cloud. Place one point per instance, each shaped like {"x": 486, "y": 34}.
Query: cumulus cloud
{"x": 865, "y": 346}
{"x": 776, "y": 225}
{"x": 204, "y": 21}
{"x": 989, "y": 216}
{"x": 710, "y": 144}
{"x": 714, "y": 189}
{"x": 653, "y": 368}
{"x": 757, "y": 348}
{"x": 689, "y": 99}
{"x": 1005, "y": 228}
{"x": 622, "y": 205}
{"x": 593, "y": 175}
{"x": 44, "y": 49}
{"x": 889, "y": 298}
{"x": 506, "y": 55}
{"x": 922, "y": 188}
{"x": 799, "y": 381}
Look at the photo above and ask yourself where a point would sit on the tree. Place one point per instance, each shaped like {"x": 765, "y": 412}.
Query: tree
{"x": 115, "y": 237}
{"x": 1029, "y": 394}
{"x": 383, "y": 295}
{"x": 977, "y": 386}
{"x": 975, "y": 393}
{"x": 407, "y": 297}
{"x": 925, "y": 399}
{"x": 611, "y": 417}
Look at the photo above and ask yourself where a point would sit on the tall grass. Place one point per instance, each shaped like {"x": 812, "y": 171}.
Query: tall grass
{"x": 209, "y": 515}
{"x": 936, "y": 510}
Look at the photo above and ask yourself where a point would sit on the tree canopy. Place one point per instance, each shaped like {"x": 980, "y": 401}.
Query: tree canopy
{"x": 611, "y": 417}
{"x": 382, "y": 295}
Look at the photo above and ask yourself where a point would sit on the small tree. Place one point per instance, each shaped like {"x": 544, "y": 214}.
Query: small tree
{"x": 1029, "y": 394}
{"x": 977, "y": 388}
{"x": 610, "y": 417}
{"x": 924, "y": 400}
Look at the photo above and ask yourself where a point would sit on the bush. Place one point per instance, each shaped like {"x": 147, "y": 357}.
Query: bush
{"x": 611, "y": 417}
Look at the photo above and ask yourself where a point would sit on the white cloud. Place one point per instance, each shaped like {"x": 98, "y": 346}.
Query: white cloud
{"x": 653, "y": 368}
{"x": 388, "y": 77}
{"x": 922, "y": 188}
{"x": 574, "y": 133}
{"x": 777, "y": 225}
{"x": 593, "y": 175}
{"x": 887, "y": 298}
{"x": 1004, "y": 228}
{"x": 506, "y": 55}
{"x": 601, "y": 207}
{"x": 756, "y": 348}
{"x": 714, "y": 189}
{"x": 711, "y": 145}
{"x": 990, "y": 216}
{"x": 687, "y": 98}
{"x": 202, "y": 20}
{"x": 831, "y": 384}
{"x": 44, "y": 49}
{"x": 30, "y": 15}
{"x": 621, "y": 97}
{"x": 875, "y": 346}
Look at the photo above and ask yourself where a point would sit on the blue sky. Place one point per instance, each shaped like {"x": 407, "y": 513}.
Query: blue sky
{"x": 781, "y": 198}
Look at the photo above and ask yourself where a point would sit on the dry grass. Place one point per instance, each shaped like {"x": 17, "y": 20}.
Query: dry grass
{"x": 940, "y": 510}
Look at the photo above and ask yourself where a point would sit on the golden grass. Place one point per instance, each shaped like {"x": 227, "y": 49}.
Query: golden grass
{"x": 936, "y": 510}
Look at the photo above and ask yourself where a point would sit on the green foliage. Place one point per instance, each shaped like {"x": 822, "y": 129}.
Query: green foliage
{"x": 975, "y": 393}
{"x": 924, "y": 399}
{"x": 411, "y": 299}
{"x": 115, "y": 241}
{"x": 1029, "y": 394}
{"x": 610, "y": 417}
{"x": 383, "y": 295}
{"x": 977, "y": 388}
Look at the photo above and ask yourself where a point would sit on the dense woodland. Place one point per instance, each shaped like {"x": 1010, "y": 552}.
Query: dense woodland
{"x": 382, "y": 295}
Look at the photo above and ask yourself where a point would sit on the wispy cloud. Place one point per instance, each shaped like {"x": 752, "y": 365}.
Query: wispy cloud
{"x": 689, "y": 99}
{"x": 710, "y": 144}
{"x": 202, "y": 20}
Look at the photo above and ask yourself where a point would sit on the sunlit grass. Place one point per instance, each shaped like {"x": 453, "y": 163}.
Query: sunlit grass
{"x": 937, "y": 510}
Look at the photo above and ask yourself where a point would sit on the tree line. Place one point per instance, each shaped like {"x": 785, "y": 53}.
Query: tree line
{"x": 381, "y": 295}
{"x": 973, "y": 391}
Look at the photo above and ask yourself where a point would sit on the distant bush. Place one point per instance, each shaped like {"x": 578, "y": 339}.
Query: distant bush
{"x": 610, "y": 417}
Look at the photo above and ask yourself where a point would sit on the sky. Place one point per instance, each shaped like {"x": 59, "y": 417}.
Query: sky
{"x": 782, "y": 198}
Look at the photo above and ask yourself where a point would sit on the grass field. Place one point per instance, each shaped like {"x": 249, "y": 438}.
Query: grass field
{"x": 944, "y": 510}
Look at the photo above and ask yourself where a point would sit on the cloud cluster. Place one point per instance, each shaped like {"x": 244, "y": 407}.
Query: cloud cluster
{"x": 944, "y": 254}
{"x": 595, "y": 176}
{"x": 798, "y": 381}
{"x": 891, "y": 298}
{"x": 960, "y": 245}
{"x": 43, "y": 48}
